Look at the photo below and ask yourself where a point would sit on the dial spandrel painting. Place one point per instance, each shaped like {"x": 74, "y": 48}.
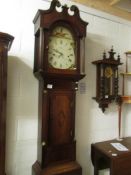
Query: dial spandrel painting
{"x": 62, "y": 46}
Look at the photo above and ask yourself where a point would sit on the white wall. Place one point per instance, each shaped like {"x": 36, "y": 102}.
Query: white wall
{"x": 92, "y": 125}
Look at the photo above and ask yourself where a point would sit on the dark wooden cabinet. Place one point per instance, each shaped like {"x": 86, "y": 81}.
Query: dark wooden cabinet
{"x": 5, "y": 43}
{"x": 58, "y": 65}
{"x": 104, "y": 156}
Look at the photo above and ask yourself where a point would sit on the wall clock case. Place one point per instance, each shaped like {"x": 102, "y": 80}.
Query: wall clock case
{"x": 5, "y": 44}
{"x": 107, "y": 80}
{"x": 58, "y": 65}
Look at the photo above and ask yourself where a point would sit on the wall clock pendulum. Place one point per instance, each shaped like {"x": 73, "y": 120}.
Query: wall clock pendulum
{"x": 58, "y": 65}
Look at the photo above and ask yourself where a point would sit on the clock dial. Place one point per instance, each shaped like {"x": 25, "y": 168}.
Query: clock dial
{"x": 62, "y": 46}
{"x": 108, "y": 72}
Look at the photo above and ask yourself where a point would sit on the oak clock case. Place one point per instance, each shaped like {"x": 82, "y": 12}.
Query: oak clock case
{"x": 5, "y": 44}
{"x": 59, "y": 43}
{"x": 107, "y": 80}
{"x": 58, "y": 65}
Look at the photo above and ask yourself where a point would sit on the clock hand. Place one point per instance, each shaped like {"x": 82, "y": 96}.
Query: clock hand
{"x": 57, "y": 51}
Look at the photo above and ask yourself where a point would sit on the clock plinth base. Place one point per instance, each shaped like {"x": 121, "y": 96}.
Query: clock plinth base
{"x": 66, "y": 168}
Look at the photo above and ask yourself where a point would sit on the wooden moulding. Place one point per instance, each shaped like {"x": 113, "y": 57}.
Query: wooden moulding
{"x": 107, "y": 6}
{"x": 6, "y": 40}
{"x": 66, "y": 168}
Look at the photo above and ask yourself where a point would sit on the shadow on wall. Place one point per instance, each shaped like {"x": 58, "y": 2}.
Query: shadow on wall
{"x": 22, "y": 115}
{"x": 92, "y": 124}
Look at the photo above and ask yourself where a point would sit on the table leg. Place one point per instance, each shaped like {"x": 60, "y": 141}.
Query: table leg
{"x": 113, "y": 168}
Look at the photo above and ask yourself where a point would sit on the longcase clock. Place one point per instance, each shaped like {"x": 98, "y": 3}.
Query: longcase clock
{"x": 58, "y": 65}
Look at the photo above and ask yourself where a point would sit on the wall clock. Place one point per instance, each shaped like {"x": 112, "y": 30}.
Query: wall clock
{"x": 107, "y": 80}
{"x": 58, "y": 65}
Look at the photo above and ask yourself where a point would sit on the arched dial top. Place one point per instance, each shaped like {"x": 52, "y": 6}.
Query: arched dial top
{"x": 62, "y": 49}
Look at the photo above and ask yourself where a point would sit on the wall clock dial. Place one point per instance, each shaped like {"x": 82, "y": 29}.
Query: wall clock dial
{"x": 62, "y": 46}
{"x": 108, "y": 72}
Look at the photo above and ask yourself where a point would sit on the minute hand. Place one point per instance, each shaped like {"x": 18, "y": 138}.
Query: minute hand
{"x": 58, "y": 51}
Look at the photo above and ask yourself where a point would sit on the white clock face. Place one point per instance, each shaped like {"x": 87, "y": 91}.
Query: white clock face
{"x": 62, "y": 46}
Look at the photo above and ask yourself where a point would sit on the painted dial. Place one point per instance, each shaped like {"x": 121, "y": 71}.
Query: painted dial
{"x": 62, "y": 46}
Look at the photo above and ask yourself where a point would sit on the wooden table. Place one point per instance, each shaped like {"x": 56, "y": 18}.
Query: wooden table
{"x": 104, "y": 155}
